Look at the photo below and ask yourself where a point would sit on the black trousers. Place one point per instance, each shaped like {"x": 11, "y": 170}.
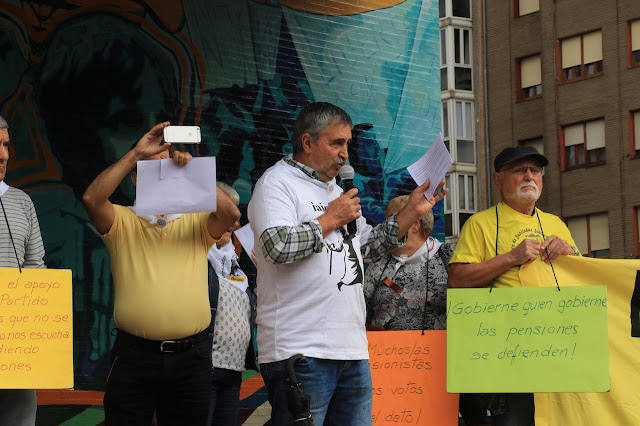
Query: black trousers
{"x": 143, "y": 379}
{"x": 520, "y": 411}
{"x": 507, "y": 409}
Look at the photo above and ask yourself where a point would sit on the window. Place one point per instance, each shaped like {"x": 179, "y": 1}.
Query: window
{"x": 455, "y": 59}
{"x": 581, "y": 56}
{"x": 444, "y": 78}
{"x": 634, "y": 136}
{"x": 457, "y": 130}
{"x": 591, "y": 234}
{"x": 460, "y": 203}
{"x": 445, "y": 125}
{"x": 457, "y": 8}
{"x": 465, "y": 145}
{"x": 633, "y": 43}
{"x": 583, "y": 144}
{"x": 525, "y": 7}
{"x": 462, "y": 58}
{"x": 461, "y": 8}
{"x": 535, "y": 142}
{"x": 530, "y": 78}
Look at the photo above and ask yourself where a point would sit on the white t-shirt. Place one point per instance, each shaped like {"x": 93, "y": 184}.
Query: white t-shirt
{"x": 314, "y": 306}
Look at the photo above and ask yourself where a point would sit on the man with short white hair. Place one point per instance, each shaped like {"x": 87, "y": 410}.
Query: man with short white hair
{"x": 20, "y": 247}
{"x": 496, "y": 242}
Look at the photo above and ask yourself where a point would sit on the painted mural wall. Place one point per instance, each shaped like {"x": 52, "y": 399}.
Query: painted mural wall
{"x": 82, "y": 80}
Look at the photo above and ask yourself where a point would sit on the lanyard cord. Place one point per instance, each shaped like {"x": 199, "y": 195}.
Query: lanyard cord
{"x": 10, "y": 234}
{"x": 546, "y": 250}
{"x": 497, "y": 230}
{"x": 426, "y": 289}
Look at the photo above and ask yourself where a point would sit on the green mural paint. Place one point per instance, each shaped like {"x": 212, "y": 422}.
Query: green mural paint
{"x": 90, "y": 416}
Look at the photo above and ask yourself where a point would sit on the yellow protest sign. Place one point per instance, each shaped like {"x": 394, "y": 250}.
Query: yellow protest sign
{"x": 36, "y": 329}
{"x": 534, "y": 339}
{"x": 621, "y": 405}
{"x": 408, "y": 374}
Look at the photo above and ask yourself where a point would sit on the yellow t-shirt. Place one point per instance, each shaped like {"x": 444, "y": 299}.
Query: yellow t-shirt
{"x": 159, "y": 275}
{"x": 477, "y": 241}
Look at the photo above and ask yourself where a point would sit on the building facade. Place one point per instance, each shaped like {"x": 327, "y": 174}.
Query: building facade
{"x": 562, "y": 76}
{"x": 460, "y": 89}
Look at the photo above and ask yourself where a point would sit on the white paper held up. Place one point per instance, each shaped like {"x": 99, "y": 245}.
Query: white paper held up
{"x": 433, "y": 166}
{"x": 164, "y": 188}
{"x": 246, "y": 238}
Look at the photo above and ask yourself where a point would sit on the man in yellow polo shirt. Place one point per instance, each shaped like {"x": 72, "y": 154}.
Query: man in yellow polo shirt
{"x": 495, "y": 242}
{"x": 160, "y": 359}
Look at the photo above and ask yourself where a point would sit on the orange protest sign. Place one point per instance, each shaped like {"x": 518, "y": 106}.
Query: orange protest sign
{"x": 36, "y": 329}
{"x": 408, "y": 371}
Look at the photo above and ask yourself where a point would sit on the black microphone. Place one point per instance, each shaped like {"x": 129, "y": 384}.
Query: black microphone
{"x": 346, "y": 175}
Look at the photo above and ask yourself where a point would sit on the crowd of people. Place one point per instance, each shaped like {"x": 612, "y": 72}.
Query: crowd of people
{"x": 185, "y": 335}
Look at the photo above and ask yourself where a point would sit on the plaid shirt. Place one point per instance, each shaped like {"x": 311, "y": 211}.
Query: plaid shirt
{"x": 287, "y": 244}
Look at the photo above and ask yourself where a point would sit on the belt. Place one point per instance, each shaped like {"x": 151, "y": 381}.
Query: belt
{"x": 166, "y": 346}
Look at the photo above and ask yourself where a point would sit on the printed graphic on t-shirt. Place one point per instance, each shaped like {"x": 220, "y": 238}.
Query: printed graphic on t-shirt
{"x": 344, "y": 262}
{"x": 530, "y": 233}
{"x": 235, "y": 269}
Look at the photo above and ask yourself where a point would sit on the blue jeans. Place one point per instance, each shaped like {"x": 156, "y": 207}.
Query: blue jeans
{"x": 340, "y": 391}
{"x": 18, "y": 407}
{"x": 225, "y": 397}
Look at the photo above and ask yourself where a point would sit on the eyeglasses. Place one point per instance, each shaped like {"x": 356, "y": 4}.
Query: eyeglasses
{"x": 521, "y": 171}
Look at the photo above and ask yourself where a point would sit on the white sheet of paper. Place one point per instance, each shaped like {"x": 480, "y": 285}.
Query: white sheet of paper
{"x": 164, "y": 188}
{"x": 246, "y": 238}
{"x": 433, "y": 165}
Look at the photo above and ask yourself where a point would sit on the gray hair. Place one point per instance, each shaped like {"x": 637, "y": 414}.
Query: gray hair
{"x": 228, "y": 189}
{"x": 401, "y": 202}
{"x": 314, "y": 119}
{"x": 3, "y": 123}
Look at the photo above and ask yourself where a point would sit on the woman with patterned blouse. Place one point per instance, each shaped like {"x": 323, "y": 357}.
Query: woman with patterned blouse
{"x": 232, "y": 306}
{"x": 407, "y": 289}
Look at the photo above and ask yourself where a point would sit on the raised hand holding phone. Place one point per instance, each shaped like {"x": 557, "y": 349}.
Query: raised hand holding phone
{"x": 182, "y": 134}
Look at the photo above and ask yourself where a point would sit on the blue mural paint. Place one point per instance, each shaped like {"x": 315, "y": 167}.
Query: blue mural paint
{"x": 83, "y": 83}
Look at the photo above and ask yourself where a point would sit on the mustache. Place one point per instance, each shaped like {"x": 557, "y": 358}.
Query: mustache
{"x": 528, "y": 184}
{"x": 338, "y": 162}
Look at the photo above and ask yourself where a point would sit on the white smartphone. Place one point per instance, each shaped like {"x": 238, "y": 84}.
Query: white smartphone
{"x": 182, "y": 134}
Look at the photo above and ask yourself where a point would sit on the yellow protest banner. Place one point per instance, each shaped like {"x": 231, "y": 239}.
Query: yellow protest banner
{"x": 534, "y": 339}
{"x": 620, "y": 406}
{"x": 36, "y": 329}
{"x": 408, "y": 374}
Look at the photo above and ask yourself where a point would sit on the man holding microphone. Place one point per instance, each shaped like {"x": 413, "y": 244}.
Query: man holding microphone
{"x": 310, "y": 271}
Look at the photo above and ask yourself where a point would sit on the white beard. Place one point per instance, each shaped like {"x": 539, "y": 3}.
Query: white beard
{"x": 527, "y": 195}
